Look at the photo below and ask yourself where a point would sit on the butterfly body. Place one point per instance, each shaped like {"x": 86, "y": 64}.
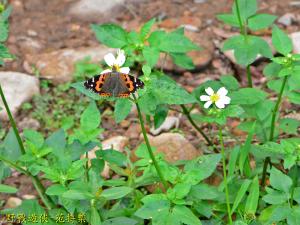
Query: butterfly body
{"x": 113, "y": 84}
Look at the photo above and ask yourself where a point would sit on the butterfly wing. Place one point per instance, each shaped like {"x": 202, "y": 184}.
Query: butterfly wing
{"x": 114, "y": 84}
{"x": 96, "y": 83}
{"x": 132, "y": 84}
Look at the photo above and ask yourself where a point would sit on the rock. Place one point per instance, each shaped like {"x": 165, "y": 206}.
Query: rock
{"x": 190, "y": 27}
{"x": 295, "y": 3}
{"x": 13, "y": 202}
{"x": 117, "y": 143}
{"x": 58, "y": 66}
{"x": 174, "y": 146}
{"x": 169, "y": 123}
{"x": 296, "y": 41}
{"x": 29, "y": 123}
{"x": 18, "y": 88}
{"x": 92, "y": 9}
{"x": 28, "y": 197}
{"x": 199, "y": 1}
{"x": 29, "y": 45}
{"x": 286, "y": 19}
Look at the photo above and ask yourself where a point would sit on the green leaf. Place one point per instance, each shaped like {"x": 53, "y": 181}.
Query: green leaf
{"x": 245, "y": 149}
{"x": 185, "y": 215}
{"x": 275, "y": 197}
{"x": 280, "y": 181}
{"x": 3, "y": 30}
{"x": 11, "y": 149}
{"x": 200, "y": 168}
{"x": 151, "y": 55}
{"x": 230, "y": 19}
{"x": 146, "y": 28}
{"x": 289, "y": 126}
{"x": 34, "y": 137}
{"x": 182, "y": 60}
{"x": 253, "y": 197}
{"x": 177, "y": 43}
{"x": 204, "y": 191}
{"x": 260, "y": 21}
{"x": 111, "y": 35}
{"x": 120, "y": 221}
{"x": 240, "y": 195}
{"x": 7, "y": 189}
{"x": 6, "y": 13}
{"x": 79, "y": 86}
{"x": 56, "y": 189}
{"x": 272, "y": 70}
{"x": 247, "y": 96}
{"x": 77, "y": 194}
{"x": 180, "y": 190}
{"x": 247, "y": 8}
{"x": 90, "y": 118}
{"x": 161, "y": 114}
{"x": 153, "y": 209}
{"x": 122, "y": 109}
{"x": 229, "y": 82}
{"x": 156, "y": 38}
{"x": 116, "y": 192}
{"x": 95, "y": 218}
{"x": 232, "y": 161}
{"x": 281, "y": 41}
{"x": 114, "y": 157}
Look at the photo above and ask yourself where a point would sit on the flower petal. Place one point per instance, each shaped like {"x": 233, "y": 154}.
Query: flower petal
{"x": 220, "y": 103}
{"x": 106, "y": 71}
{"x": 207, "y": 104}
{"x": 209, "y": 91}
{"x": 120, "y": 58}
{"x": 226, "y": 99}
{"x": 125, "y": 70}
{"x": 110, "y": 59}
{"x": 204, "y": 98}
{"x": 222, "y": 91}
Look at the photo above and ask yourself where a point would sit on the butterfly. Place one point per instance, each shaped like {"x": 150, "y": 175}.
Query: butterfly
{"x": 113, "y": 84}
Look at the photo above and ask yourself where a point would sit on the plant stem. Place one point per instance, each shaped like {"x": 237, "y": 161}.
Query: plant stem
{"x": 12, "y": 121}
{"x": 14, "y": 166}
{"x": 237, "y": 8}
{"x": 249, "y": 77}
{"x": 35, "y": 180}
{"x": 225, "y": 175}
{"x": 159, "y": 173}
{"x": 188, "y": 115}
{"x": 274, "y": 114}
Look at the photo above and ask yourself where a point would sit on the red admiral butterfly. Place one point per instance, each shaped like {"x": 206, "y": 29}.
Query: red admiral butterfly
{"x": 114, "y": 84}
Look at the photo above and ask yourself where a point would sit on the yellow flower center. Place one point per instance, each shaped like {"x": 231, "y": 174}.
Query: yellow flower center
{"x": 214, "y": 97}
{"x": 116, "y": 67}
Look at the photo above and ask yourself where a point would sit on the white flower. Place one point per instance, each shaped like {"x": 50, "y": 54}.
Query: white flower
{"x": 220, "y": 99}
{"x": 116, "y": 63}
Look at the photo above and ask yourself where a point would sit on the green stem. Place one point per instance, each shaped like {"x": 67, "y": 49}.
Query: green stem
{"x": 149, "y": 147}
{"x": 14, "y": 165}
{"x": 12, "y": 121}
{"x": 273, "y": 121}
{"x": 188, "y": 115}
{"x": 249, "y": 77}
{"x": 237, "y": 8}
{"x": 35, "y": 180}
{"x": 225, "y": 175}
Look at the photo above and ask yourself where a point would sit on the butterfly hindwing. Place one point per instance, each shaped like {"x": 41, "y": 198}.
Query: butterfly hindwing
{"x": 114, "y": 84}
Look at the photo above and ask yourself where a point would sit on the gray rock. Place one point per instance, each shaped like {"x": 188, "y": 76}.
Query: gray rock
{"x": 199, "y": 1}
{"x": 58, "y": 66}
{"x": 295, "y": 3}
{"x": 296, "y": 41}
{"x": 29, "y": 123}
{"x": 169, "y": 123}
{"x": 286, "y": 19}
{"x": 93, "y": 9}
{"x": 18, "y": 88}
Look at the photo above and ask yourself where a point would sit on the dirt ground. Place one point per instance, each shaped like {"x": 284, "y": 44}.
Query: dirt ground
{"x": 48, "y": 23}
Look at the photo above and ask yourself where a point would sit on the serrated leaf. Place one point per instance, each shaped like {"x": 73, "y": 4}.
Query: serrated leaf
{"x": 111, "y": 35}
{"x": 280, "y": 181}
{"x": 151, "y": 55}
{"x": 182, "y": 60}
{"x": 281, "y": 41}
{"x": 122, "y": 109}
{"x": 176, "y": 43}
{"x": 146, "y": 28}
{"x": 116, "y": 192}
{"x": 261, "y": 21}
{"x": 90, "y": 118}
